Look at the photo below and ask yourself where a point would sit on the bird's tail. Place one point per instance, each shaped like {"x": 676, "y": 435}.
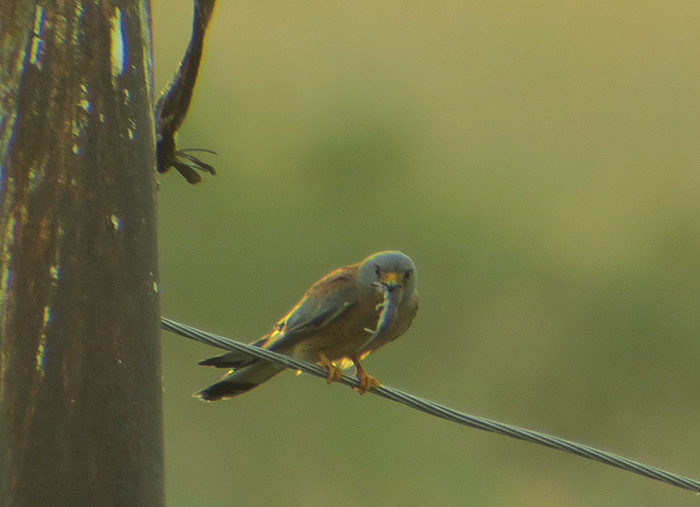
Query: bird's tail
{"x": 240, "y": 381}
{"x": 234, "y": 359}
{"x": 229, "y": 360}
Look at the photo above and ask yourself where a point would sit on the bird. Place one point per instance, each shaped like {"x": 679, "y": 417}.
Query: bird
{"x": 346, "y": 315}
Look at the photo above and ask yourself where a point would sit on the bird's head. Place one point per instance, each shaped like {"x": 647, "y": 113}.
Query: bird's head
{"x": 387, "y": 272}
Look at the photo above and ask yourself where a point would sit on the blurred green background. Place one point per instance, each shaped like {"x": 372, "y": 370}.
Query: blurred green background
{"x": 539, "y": 161}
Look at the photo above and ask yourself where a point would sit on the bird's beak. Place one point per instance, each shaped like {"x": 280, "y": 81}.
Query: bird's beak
{"x": 391, "y": 281}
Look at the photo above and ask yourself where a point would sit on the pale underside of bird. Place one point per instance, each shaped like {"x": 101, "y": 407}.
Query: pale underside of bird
{"x": 346, "y": 315}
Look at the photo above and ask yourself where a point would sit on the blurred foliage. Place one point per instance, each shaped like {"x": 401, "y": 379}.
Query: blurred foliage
{"x": 539, "y": 161}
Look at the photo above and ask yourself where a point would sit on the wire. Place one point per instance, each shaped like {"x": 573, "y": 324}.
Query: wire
{"x": 438, "y": 410}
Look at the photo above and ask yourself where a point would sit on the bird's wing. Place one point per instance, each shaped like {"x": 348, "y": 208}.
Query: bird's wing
{"x": 323, "y": 303}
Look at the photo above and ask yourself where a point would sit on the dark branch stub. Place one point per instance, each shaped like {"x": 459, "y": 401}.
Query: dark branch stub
{"x": 172, "y": 106}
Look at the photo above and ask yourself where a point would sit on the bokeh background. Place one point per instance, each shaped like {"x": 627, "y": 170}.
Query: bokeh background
{"x": 539, "y": 161}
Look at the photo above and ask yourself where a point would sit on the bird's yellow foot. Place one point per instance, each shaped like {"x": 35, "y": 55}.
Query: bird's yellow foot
{"x": 366, "y": 380}
{"x": 334, "y": 373}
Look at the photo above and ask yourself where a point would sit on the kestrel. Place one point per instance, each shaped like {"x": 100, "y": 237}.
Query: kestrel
{"x": 343, "y": 317}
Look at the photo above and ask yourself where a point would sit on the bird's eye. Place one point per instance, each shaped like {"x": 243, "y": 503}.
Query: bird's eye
{"x": 378, "y": 271}
{"x": 407, "y": 274}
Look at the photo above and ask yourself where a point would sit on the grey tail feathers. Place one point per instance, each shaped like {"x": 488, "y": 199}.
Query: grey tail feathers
{"x": 240, "y": 381}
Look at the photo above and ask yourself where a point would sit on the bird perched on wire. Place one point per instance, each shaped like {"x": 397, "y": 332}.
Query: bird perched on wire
{"x": 347, "y": 314}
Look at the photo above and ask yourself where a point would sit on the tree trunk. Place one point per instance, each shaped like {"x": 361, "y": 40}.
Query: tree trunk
{"x": 80, "y": 392}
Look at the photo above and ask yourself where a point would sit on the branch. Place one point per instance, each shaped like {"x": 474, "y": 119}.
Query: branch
{"x": 174, "y": 102}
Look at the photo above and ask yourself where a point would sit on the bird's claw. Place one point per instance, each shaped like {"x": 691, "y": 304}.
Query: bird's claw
{"x": 334, "y": 374}
{"x": 366, "y": 381}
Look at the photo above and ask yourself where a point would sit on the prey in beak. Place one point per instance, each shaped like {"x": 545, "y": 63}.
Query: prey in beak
{"x": 391, "y": 288}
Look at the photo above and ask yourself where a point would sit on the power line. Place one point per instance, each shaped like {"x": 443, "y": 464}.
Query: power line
{"x": 438, "y": 410}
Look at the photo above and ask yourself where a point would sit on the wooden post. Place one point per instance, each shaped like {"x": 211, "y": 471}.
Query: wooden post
{"x": 80, "y": 391}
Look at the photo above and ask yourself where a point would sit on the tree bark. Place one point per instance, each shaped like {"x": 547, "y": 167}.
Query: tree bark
{"x": 80, "y": 392}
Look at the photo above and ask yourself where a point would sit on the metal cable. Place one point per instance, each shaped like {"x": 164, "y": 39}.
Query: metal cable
{"x": 438, "y": 410}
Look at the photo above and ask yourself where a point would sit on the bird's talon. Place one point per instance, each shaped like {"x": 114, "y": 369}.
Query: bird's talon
{"x": 366, "y": 381}
{"x": 334, "y": 374}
